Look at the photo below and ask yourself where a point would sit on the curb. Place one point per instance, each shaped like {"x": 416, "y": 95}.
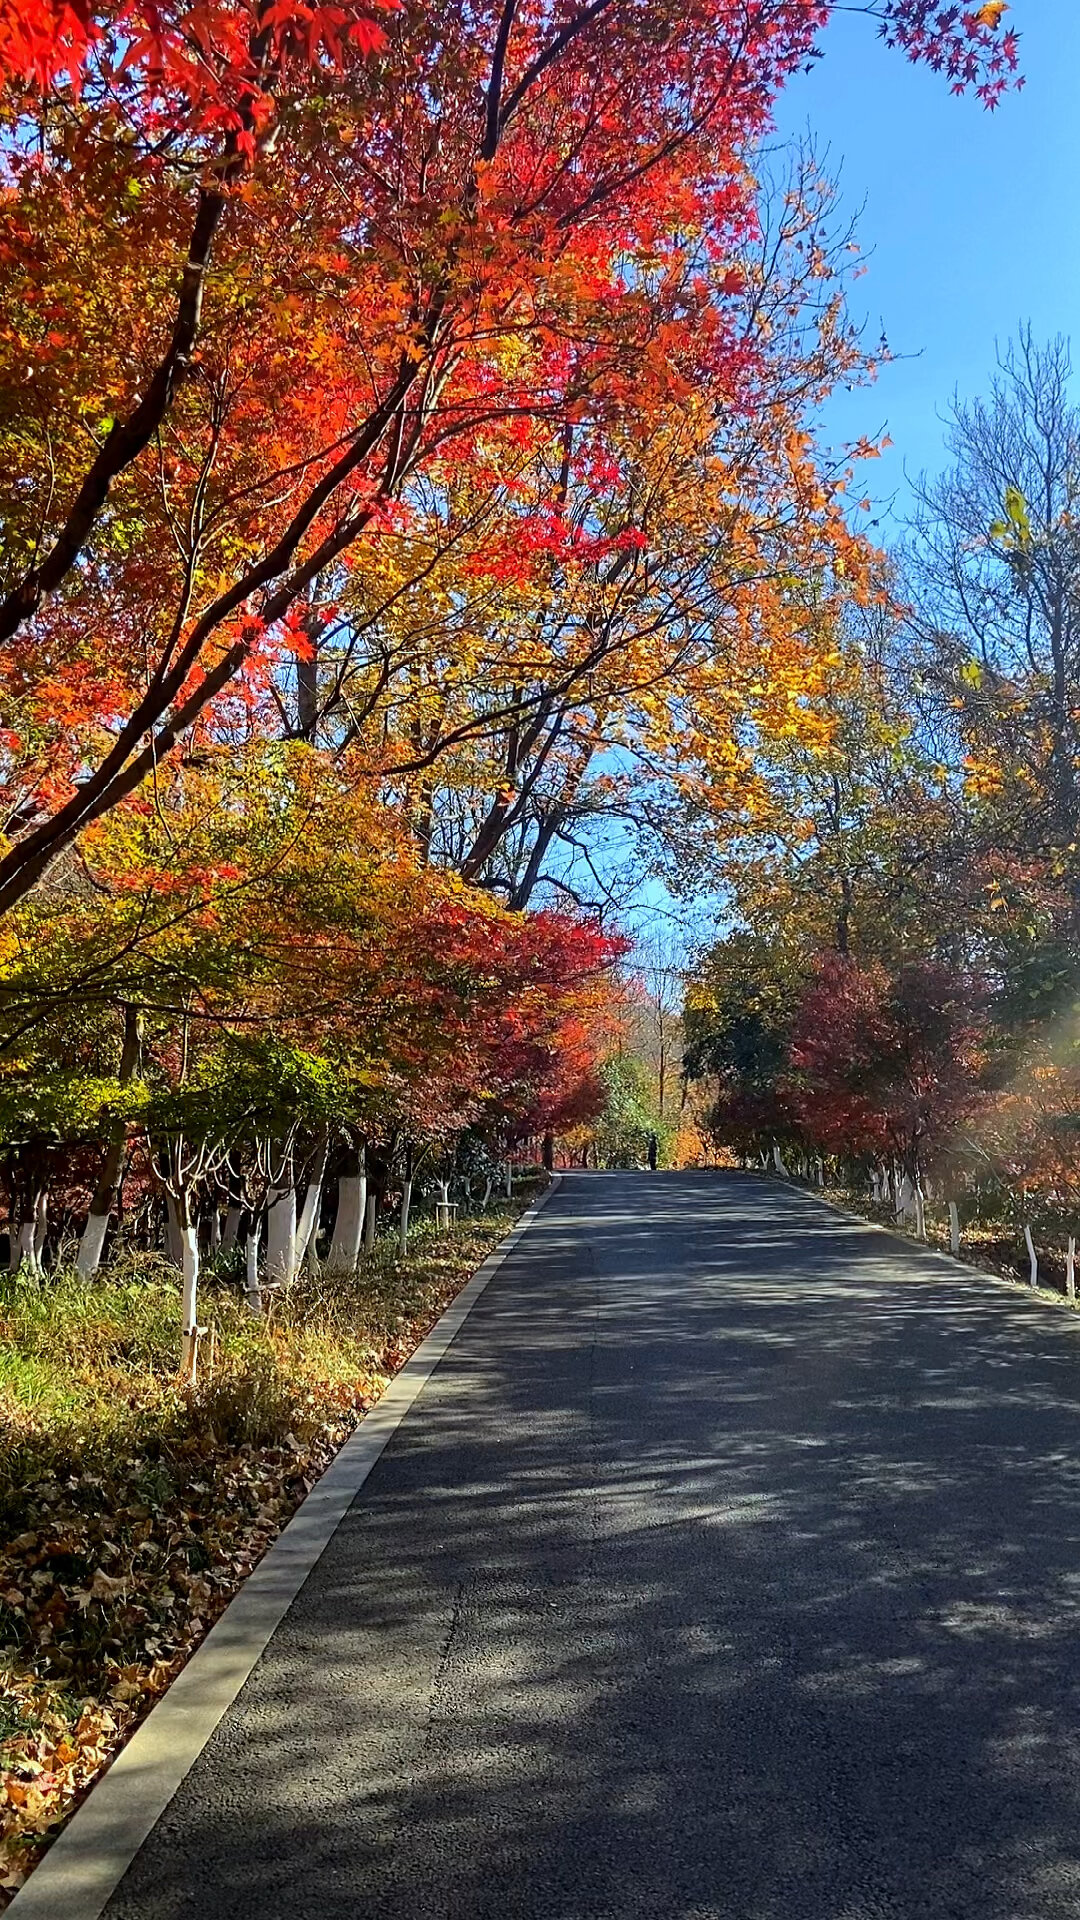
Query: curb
{"x": 1039, "y": 1296}
{"x": 86, "y": 1862}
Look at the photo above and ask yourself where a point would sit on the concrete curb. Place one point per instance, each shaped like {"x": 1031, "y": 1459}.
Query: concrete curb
{"x": 85, "y": 1864}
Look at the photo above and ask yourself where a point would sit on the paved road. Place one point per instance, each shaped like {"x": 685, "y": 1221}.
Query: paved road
{"x": 728, "y": 1569}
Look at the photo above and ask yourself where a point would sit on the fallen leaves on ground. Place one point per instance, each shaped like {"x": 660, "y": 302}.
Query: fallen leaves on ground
{"x": 133, "y": 1512}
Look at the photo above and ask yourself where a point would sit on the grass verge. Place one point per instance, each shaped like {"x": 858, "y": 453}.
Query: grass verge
{"x": 986, "y": 1247}
{"x": 131, "y": 1511}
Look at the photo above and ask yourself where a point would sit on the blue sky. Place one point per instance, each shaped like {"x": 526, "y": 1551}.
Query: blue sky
{"x": 972, "y": 219}
{"x": 972, "y": 223}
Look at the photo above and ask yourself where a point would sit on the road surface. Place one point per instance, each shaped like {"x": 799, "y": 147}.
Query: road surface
{"x": 727, "y": 1569}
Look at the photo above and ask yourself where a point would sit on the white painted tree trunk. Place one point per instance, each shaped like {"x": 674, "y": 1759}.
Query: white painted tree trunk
{"x": 442, "y": 1206}
{"x": 487, "y": 1194}
{"x": 189, "y": 1339}
{"x": 308, "y": 1223}
{"x": 348, "y": 1223}
{"x": 1070, "y": 1271}
{"x": 281, "y": 1236}
{"x": 920, "y": 1213}
{"x": 41, "y": 1225}
{"x": 26, "y": 1260}
{"x": 403, "y": 1225}
{"x": 215, "y": 1229}
{"x": 233, "y": 1217}
{"x": 875, "y": 1185}
{"x": 906, "y": 1207}
{"x": 509, "y": 1181}
{"x": 91, "y": 1244}
{"x": 251, "y": 1267}
{"x": 1032, "y": 1256}
{"x": 954, "y": 1228}
{"x": 778, "y": 1160}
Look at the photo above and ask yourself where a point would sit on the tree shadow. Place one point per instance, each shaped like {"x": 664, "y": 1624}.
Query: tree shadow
{"x": 728, "y": 1569}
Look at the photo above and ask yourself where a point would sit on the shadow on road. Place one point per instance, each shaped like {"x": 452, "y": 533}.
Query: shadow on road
{"x": 728, "y": 1570}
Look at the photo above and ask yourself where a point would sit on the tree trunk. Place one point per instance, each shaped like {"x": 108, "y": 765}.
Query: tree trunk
{"x": 41, "y": 1225}
{"x": 348, "y": 1221}
{"x": 442, "y": 1206}
{"x": 954, "y": 1228}
{"x": 378, "y": 1181}
{"x": 281, "y": 1236}
{"x": 371, "y": 1219}
{"x": 307, "y": 1226}
{"x": 251, "y": 1265}
{"x": 174, "y": 1245}
{"x": 26, "y": 1254}
{"x": 406, "y": 1202}
{"x": 1070, "y": 1271}
{"x": 906, "y": 1203}
{"x": 191, "y": 1331}
{"x": 1032, "y": 1256}
{"x": 92, "y": 1240}
{"x": 233, "y": 1216}
{"x": 91, "y": 1243}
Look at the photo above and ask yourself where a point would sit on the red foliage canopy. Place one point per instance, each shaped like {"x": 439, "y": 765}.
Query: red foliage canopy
{"x": 888, "y": 1063}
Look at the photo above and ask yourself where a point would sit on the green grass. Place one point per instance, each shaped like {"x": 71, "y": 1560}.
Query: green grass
{"x": 88, "y": 1369}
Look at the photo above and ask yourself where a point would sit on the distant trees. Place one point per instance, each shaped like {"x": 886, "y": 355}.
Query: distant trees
{"x": 898, "y": 993}
{"x": 993, "y": 574}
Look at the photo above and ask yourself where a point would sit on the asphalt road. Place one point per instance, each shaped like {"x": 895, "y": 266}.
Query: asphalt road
{"x": 728, "y": 1569}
